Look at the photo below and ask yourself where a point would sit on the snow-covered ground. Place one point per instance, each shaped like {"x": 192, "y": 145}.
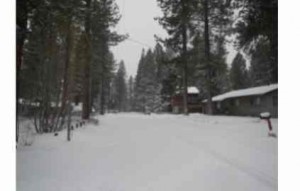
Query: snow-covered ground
{"x": 136, "y": 152}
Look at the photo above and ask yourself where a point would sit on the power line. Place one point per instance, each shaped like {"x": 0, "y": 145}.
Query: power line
{"x": 123, "y": 26}
{"x": 138, "y": 42}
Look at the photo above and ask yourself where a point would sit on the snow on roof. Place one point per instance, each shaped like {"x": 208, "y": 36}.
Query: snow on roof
{"x": 193, "y": 90}
{"x": 261, "y": 90}
{"x": 190, "y": 90}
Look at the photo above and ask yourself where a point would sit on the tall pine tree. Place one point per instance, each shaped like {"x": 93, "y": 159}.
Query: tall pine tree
{"x": 178, "y": 21}
{"x": 238, "y": 73}
{"x": 121, "y": 88}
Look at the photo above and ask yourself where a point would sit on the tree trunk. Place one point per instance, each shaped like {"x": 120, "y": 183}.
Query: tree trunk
{"x": 19, "y": 64}
{"x": 184, "y": 58}
{"x": 86, "y": 84}
{"x": 21, "y": 21}
{"x": 66, "y": 88}
{"x": 207, "y": 58}
{"x": 69, "y": 121}
{"x": 102, "y": 96}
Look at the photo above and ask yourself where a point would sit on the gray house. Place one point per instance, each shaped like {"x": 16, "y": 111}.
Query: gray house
{"x": 247, "y": 102}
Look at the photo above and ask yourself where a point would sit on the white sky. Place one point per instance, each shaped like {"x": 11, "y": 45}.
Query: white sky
{"x": 138, "y": 21}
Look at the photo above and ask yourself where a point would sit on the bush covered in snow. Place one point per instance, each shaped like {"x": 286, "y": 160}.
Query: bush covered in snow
{"x": 26, "y": 133}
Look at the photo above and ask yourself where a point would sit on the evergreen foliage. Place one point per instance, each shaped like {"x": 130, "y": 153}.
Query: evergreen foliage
{"x": 130, "y": 93}
{"x": 120, "y": 88}
{"x": 66, "y": 56}
{"x": 151, "y": 73}
{"x": 239, "y": 73}
{"x": 259, "y": 20}
{"x": 178, "y": 21}
{"x": 261, "y": 70}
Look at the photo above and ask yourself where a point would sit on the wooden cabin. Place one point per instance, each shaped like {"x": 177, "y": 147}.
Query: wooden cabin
{"x": 247, "y": 102}
{"x": 193, "y": 101}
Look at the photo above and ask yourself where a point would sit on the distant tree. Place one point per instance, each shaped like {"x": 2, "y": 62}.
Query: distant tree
{"x": 239, "y": 73}
{"x": 130, "y": 93}
{"x": 121, "y": 88}
{"x": 138, "y": 86}
{"x": 171, "y": 78}
{"x": 148, "y": 83}
{"x": 261, "y": 71}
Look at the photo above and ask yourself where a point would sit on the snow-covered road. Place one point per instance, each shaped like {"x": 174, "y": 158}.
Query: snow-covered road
{"x": 136, "y": 152}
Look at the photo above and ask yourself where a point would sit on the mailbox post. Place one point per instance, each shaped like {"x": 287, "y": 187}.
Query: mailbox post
{"x": 267, "y": 116}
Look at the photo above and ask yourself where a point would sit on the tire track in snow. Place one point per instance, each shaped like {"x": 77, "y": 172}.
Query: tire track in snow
{"x": 255, "y": 173}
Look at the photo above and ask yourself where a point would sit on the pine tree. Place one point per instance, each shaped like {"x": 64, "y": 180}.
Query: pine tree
{"x": 261, "y": 70}
{"x": 238, "y": 73}
{"x": 121, "y": 88}
{"x": 178, "y": 21}
{"x": 104, "y": 16}
{"x": 216, "y": 19}
{"x": 149, "y": 81}
{"x": 138, "y": 87}
{"x": 259, "y": 19}
{"x": 65, "y": 40}
{"x": 130, "y": 93}
{"x": 86, "y": 101}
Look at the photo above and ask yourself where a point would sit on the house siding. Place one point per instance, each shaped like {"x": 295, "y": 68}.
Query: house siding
{"x": 248, "y": 106}
{"x": 194, "y": 103}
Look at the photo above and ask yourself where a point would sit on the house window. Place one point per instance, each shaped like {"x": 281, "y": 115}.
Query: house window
{"x": 237, "y": 102}
{"x": 219, "y": 105}
{"x": 257, "y": 101}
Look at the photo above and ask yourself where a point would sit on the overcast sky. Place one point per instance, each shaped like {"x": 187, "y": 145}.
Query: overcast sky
{"x": 138, "y": 21}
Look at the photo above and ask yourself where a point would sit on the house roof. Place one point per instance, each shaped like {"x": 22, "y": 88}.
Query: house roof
{"x": 261, "y": 90}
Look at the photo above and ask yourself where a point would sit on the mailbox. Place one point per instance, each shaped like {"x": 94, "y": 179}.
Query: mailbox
{"x": 265, "y": 115}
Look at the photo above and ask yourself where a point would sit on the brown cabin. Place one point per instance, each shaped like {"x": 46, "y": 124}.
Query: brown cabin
{"x": 193, "y": 99}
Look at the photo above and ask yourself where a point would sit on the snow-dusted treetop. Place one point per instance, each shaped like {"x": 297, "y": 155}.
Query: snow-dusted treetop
{"x": 261, "y": 90}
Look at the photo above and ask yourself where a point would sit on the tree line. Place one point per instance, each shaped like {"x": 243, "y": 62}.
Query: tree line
{"x": 197, "y": 34}
{"x": 194, "y": 52}
{"x": 64, "y": 56}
